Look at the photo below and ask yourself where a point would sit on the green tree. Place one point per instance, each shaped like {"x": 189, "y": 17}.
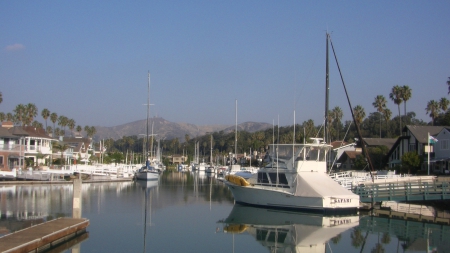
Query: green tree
{"x": 410, "y": 161}
{"x": 71, "y": 125}
{"x": 63, "y": 121}
{"x": 2, "y": 116}
{"x": 443, "y": 104}
{"x": 387, "y": 114}
{"x": 45, "y": 113}
{"x": 432, "y": 109}
{"x": 380, "y": 105}
{"x": 31, "y": 112}
{"x": 359, "y": 113}
{"x": 19, "y": 113}
{"x": 61, "y": 147}
{"x": 53, "y": 119}
{"x": 406, "y": 95}
{"x": 337, "y": 117}
{"x": 396, "y": 96}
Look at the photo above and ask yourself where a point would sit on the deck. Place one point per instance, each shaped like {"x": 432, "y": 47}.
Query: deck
{"x": 43, "y": 236}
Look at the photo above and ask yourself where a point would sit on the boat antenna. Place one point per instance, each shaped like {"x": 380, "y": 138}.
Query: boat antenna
{"x": 363, "y": 145}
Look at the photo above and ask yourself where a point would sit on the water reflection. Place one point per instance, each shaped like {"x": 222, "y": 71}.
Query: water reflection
{"x": 147, "y": 187}
{"x": 184, "y": 208}
{"x": 282, "y": 231}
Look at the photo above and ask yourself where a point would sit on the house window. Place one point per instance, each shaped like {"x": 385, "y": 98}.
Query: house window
{"x": 1, "y": 161}
{"x": 412, "y": 147}
{"x": 444, "y": 144}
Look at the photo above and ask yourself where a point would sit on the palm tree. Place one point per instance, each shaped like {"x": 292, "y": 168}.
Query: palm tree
{"x": 406, "y": 95}
{"x": 1, "y": 97}
{"x": 31, "y": 112}
{"x": 19, "y": 112}
{"x": 396, "y": 96}
{"x": 2, "y": 116}
{"x": 49, "y": 129}
{"x": 63, "y": 121}
{"x": 443, "y": 104}
{"x": 337, "y": 114}
{"x": 360, "y": 114}
{"x": 387, "y": 114}
{"x": 9, "y": 117}
{"x": 53, "y": 118}
{"x": 448, "y": 83}
{"x": 380, "y": 105}
{"x": 432, "y": 109}
{"x": 71, "y": 125}
{"x": 79, "y": 128}
{"x": 45, "y": 114}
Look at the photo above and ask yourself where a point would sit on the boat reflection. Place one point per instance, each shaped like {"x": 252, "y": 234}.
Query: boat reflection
{"x": 284, "y": 231}
{"x": 148, "y": 187}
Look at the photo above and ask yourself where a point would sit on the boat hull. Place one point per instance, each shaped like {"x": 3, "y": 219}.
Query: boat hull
{"x": 270, "y": 198}
{"x": 147, "y": 176}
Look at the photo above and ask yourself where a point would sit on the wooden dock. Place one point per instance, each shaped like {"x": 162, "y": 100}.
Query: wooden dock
{"x": 43, "y": 236}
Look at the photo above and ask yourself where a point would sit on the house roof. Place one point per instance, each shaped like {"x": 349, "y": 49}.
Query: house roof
{"x": 5, "y": 133}
{"x": 421, "y": 132}
{"x": 373, "y": 142}
{"x": 77, "y": 143}
{"x": 349, "y": 154}
{"x": 36, "y": 132}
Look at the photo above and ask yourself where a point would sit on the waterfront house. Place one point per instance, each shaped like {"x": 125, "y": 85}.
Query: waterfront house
{"x": 79, "y": 148}
{"x": 339, "y": 147}
{"x": 10, "y": 149}
{"x": 415, "y": 139}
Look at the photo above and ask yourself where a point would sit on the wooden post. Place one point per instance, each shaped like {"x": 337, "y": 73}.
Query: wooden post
{"x": 76, "y": 212}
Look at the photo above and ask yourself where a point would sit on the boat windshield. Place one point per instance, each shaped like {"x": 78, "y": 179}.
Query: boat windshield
{"x": 281, "y": 155}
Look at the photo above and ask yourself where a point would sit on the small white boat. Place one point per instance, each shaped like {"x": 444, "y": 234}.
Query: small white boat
{"x": 147, "y": 173}
{"x": 210, "y": 169}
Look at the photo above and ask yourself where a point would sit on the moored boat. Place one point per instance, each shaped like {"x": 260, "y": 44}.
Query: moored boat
{"x": 295, "y": 178}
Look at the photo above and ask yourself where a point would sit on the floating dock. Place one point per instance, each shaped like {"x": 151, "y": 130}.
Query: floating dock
{"x": 43, "y": 236}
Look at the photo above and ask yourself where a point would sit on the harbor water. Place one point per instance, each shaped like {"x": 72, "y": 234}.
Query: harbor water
{"x": 195, "y": 212}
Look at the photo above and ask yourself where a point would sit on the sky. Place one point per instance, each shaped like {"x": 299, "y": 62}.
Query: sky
{"x": 89, "y": 60}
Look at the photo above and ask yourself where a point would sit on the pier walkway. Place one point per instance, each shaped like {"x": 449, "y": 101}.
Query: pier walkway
{"x": 43, "y": 236}
{"x": 408, "y": 189}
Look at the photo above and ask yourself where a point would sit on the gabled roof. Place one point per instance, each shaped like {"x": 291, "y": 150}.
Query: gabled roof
{"x": 77, "y": 143}
{"x": 373, "y": 142}
{"x": 5, "y": 133}
{"x": 349, "y": 154}
{"x": 36, "y": 132}
{"x": 421, "y": 132}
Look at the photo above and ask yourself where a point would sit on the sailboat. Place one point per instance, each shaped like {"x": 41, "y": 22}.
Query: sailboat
{"x": 147, "y": 172}
{"x": 295, "y": 178}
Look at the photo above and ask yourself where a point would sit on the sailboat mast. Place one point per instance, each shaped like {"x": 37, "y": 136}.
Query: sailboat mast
{"x": 148, "y": 115}
{"x": 235, "y": 134}
{"x": 327, "y": 89}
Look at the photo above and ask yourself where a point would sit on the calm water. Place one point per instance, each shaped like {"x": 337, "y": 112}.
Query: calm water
{"x": 188, "y": 212}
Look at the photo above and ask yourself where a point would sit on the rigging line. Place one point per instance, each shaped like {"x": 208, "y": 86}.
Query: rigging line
{"x": 363, "y": 146}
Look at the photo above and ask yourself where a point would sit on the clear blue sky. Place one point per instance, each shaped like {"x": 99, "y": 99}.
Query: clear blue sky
{"x": 88, "y": 60}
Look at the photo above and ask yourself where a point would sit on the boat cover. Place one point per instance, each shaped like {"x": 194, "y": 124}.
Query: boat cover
{"x": 315, "y": 184}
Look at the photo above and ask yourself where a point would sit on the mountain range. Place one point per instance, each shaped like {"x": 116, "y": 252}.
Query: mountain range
{"x": 164, "y": 129}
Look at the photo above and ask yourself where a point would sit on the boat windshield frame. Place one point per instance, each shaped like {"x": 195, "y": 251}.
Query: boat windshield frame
{"x": 281, "y": 155}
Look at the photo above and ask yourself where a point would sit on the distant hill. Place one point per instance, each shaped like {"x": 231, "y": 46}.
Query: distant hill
{"x": 170, "y": 130}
